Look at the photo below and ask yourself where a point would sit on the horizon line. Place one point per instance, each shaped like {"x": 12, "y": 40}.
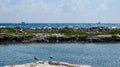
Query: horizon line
{"x": 59, "y": 22}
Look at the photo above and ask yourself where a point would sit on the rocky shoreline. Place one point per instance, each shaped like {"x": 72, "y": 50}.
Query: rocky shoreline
{"x": 55, "y": 35}
{"x": 59, "y": 39}
{"x": 48, "y": 64}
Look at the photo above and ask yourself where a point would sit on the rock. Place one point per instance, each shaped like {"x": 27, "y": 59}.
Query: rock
{"x": 48, "y": 64}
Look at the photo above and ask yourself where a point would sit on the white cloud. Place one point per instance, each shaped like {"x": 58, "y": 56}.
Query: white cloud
{"x": 54, "y": 10}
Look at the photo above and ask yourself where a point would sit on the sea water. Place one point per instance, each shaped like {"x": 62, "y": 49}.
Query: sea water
{"x": 94, "y": 54}
{"x": 59, "y": 25}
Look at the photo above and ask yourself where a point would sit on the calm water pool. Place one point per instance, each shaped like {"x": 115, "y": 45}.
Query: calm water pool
{"x": 94, "y": 54}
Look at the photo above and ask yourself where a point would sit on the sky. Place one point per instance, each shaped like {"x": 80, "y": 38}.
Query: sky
{"x": 60, "y": 11}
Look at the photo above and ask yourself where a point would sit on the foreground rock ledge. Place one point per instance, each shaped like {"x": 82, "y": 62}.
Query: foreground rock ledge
{"x": 48, "y": 64}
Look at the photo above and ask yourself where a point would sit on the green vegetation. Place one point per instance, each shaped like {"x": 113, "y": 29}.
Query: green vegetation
{"x": 72, "y": 32}
{"x": 5, "y": 34}
{"x": 10, "y": 31}
{"x": 115, "y": 36}
{"x": 112, "y": 31}
{"x": 35, "y": 31}
{"x": 93, "y": 34}
{"x": 29, "y": 36}
{"x": 68, "y": 32}
{"x": 53, "y": 37}
{"x": 108, "y": 32}
{"x": 70, "y": 66}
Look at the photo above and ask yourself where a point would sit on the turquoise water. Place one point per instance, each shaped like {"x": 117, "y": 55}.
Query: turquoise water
{"x": 60, "y": 25}
{"x": 94, "y": 54}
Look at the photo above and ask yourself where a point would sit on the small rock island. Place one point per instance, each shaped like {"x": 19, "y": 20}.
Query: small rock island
{"x": 58, "y": 35}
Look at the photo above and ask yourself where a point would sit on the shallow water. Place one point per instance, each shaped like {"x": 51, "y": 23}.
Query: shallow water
{"x": 94, "y": 54}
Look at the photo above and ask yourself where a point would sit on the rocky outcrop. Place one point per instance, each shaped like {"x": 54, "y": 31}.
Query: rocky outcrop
{"x": 104, "y": 38}
{"x": 48, "y": 64}
{"x": 58, "y": 39}
{"x": 56, "y": 35}
{"x": 13, "y": 39}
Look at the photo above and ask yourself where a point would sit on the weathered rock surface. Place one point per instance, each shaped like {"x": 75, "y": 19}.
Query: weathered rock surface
{"x": 48, "y": 64}
{"x": 58, "y": 39}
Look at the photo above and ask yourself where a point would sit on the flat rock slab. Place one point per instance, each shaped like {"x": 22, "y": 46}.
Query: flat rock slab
{"x": 47, "y": 64}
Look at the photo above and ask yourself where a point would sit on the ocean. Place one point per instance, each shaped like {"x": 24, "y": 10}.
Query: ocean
{"x": 94, "y": 54}
{"x": 60, "y": 25}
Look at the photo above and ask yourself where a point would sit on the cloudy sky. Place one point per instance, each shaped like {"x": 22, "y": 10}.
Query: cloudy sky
{"x": 57, "y": 11}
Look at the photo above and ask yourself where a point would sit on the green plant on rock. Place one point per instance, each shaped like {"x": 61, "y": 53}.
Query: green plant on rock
{"x": 10, "y": 30}
{"x": 115, "y": 36}
{"x": 70, "y": 66}
{"x": 72, "y": 32}
{"x": 112, "y": 31}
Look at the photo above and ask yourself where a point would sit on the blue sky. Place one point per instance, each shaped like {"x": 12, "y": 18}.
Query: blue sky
{"x": 59, "y": 11}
